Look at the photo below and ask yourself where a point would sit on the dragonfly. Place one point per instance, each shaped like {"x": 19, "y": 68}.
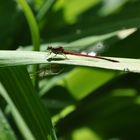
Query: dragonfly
{"x": 61, "y": 51}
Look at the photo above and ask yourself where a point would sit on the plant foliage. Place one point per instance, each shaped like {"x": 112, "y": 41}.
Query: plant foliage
{"x": 75, "y": 99}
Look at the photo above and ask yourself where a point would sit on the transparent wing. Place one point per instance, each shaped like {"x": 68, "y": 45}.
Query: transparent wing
{"x": 92, "y": 49}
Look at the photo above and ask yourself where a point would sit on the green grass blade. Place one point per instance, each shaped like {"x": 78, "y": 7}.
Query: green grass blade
{"x": 13, "y": 58}
{"x": 6, "y": 132}
{"x": 34, "y": 32}
{"x": 31, "y": 22}
{"x": 46, "y": 6}
{"x": 25, "y": 131}
{"x": 22, "y": 95}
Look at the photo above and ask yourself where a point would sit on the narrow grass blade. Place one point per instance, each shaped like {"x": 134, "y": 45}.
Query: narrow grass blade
{"x": 6, "y": 132}
{"x": 22, "y": 96}
{"x": 13, "y": 58}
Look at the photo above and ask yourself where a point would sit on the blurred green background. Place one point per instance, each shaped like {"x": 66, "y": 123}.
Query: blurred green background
{"x": 84, "y": 103}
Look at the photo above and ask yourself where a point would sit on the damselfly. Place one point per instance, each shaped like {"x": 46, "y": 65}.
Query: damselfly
{"x": 60, "y": 50}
